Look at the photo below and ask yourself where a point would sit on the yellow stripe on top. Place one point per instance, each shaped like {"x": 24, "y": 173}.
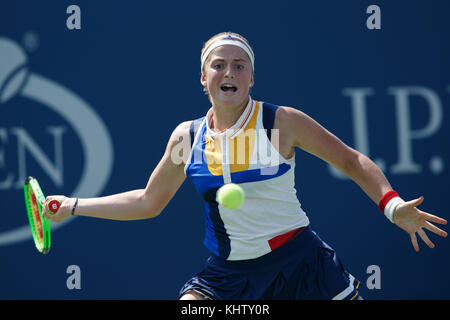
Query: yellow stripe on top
{"x": 242, "y": 145}
{"x": 213, "y": 155}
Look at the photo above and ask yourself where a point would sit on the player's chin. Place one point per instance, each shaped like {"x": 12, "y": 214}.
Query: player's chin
{"x": 231, "y": 97}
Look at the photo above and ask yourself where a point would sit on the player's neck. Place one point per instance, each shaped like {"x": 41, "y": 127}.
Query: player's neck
{"x": 225, "y": 116}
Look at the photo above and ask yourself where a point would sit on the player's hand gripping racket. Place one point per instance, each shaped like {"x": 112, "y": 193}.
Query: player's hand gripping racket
{"x": 40, "y": 226}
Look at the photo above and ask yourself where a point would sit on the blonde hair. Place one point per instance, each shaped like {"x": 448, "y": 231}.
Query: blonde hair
{"x": 228, "y": 33}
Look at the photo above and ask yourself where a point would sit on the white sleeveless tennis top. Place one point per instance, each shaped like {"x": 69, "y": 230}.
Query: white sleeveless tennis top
{"x": 245, "y": 155}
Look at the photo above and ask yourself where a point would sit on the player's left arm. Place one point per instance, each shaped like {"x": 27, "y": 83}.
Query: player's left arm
{"x": 303, "y": 132}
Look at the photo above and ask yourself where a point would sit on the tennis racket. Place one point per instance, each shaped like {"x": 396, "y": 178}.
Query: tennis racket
{"x": 40, "y": 226}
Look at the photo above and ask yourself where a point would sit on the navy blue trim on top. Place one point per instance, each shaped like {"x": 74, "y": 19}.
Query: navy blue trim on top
{"x": 217, "y": 239}
{"x": 195, "y": 125}
{"x": 269, "y": 111}
{"x": 260, "y": 174}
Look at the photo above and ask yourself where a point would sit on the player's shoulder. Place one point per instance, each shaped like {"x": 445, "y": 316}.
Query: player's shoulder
{"x": 186, "y": 129}
{"x": 183, "y": 127}
{"x": 287, "y": 116}
{"x": 189, "y": 127}
{"x": 181, "y": 131}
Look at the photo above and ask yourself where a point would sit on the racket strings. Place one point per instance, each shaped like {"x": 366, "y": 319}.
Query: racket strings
{"x": 35, "y": 217}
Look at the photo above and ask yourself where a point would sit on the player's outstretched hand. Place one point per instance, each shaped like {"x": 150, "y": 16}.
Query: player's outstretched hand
{"x": 64, "y": 211}
{"x": 409, "y": 218}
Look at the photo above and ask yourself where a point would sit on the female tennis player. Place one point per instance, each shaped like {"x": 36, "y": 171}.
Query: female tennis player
{"x": 265, "y": 249}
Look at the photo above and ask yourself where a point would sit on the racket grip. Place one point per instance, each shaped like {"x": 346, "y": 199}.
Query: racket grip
{"x": 53, "y": 206}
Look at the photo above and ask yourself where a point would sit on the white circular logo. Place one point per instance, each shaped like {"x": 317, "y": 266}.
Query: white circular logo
{"x": 16, "y": 79}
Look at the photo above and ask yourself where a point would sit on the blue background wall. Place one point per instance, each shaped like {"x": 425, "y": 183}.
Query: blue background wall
{"x": 136, "y": 64}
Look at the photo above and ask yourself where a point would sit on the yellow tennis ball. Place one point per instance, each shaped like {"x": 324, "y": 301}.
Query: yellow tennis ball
{"x": 230, "y": 195}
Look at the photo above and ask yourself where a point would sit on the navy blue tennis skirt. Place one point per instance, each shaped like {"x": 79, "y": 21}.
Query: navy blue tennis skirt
{"x": 303, "y": 268}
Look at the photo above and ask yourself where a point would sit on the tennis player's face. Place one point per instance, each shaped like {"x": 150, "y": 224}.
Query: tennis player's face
{"x": 228, "y": 75}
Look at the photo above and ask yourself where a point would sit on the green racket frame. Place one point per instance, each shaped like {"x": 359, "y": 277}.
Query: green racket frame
{"x": 40, "y": 226}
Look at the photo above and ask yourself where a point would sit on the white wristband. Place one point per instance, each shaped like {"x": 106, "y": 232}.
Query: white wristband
{"x": 389, "y": 209}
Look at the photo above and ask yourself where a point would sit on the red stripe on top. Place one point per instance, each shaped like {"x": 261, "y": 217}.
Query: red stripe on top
{"x": 37, "y": 217}
{"x": 386, "y": 198}
{"x": 278, "y": 241}
{"x": 245, "y": 119}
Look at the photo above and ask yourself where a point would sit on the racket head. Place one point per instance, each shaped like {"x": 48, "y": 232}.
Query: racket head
{"x": 40, "y": 226}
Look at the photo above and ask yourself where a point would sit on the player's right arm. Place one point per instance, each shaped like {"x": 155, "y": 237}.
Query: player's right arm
{"x": 162, "y": 185}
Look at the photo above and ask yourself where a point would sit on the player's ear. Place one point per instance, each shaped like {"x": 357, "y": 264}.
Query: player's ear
{"x": 252, "y": 81}
{"x": 203, "y": 79}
